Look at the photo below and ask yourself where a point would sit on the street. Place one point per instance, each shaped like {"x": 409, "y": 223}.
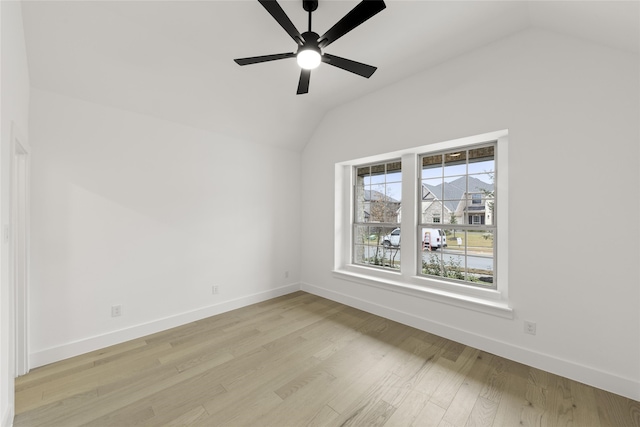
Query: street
{"x": 475, "y": 260}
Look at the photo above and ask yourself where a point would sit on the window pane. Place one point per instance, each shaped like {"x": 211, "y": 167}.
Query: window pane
{"x": 377, "y": 246}
{"x": 448, "y": 261}
{"x": 482, "y": 167}
{"x": 395, "y": 166}
{"x": 454, "y": 211}
{"x": 454, "y": 188}
{"x": 455, "y": 163}
{"x": 482, "y": 164}
{"x": 361, "y": 201}
{"x": 363, "y": 175}
{"x": 394, "y": 177}
{"x": 456, "y": 240}
{"x": 362, "y": 171}
{"x": 481, "y": 181}
{"x": 443, "y": 264}
{"x": 450, "y": 217}
{"x": 383, "y": 208}
{"x": 377, "y": 169}
{"x": 481, "y": 154}
{"x": 393, "y": 194}
{"x": 393, "y": 191}
{"x": 480, "y": 251}
{"x": 480, "y": 270}
{"x": 432, "y": 166}
{"x": 377, "y": 179}
{"x": 361, "y": 235}
{"x": 480, "y": 241}
{"x": 361, "y": 241}
{"x": 394, "y": 172}
{"x": 430, "y": 209}
{"x": 433, "y": 238}
{"x": 432, "y": 263}
{"x": 432, "y": 187}
{"x": 377, "y": 174}
{"x": 435, "y": 172}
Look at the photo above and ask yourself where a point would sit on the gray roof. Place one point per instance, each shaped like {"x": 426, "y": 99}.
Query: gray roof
{"x": 453, "y": 191}
{"x": 370, "y": 195}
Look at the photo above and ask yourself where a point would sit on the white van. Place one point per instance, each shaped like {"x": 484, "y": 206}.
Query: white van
{"x": 432, "y": 238}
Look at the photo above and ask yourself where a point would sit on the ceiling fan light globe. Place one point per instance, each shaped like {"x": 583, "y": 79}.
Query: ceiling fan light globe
{"x": 308, "y": 59}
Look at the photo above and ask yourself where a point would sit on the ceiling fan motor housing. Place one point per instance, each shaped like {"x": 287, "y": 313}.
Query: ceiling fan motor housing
{"x": 310, "y": 42}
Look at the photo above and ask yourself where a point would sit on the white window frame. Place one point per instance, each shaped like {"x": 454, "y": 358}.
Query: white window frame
{"x": 407, "y": 281}
{"x": 385, "y": 225}
{"x": 476, "y": 221}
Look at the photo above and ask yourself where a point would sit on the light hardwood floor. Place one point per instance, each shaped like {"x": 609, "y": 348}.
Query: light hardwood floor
{"x": 301, "y": 360}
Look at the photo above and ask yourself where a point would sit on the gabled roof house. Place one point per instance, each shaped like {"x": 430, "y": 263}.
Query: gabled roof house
{"x": 458, "y": 202}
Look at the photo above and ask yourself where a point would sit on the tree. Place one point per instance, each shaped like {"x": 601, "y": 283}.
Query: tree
{"x": 453, "y": 220}
{"x": 382, "y": 208}
{"x": 489, "y": 194}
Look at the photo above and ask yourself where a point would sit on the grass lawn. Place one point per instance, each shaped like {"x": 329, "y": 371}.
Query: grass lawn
{"x": 476, "y": 241}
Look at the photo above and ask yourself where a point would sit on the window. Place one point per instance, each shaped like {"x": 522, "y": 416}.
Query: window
{"x": 458, "y": 180}
{"x": 428, "y": 222}
{"x": 476, "y": 219}
{"x": 378, "y": 191}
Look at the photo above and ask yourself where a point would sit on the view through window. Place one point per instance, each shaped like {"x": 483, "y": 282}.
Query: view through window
{"x": 376, "y": 232}
{"x": 459, "y": 188}
{"x": 456, "y": 215}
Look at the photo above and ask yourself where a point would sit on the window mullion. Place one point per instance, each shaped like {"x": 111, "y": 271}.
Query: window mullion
{"x": 409, "y": 219}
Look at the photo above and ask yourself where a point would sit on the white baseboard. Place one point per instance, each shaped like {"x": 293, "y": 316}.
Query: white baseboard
{"x": 549, "y": 363}
{"x": 546, "y": 362}
{"x": 87, "y": 345}
{"x": 7, "y": 417}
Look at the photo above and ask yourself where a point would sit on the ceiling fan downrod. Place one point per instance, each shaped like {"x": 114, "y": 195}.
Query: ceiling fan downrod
{"x": 310, "y": 6}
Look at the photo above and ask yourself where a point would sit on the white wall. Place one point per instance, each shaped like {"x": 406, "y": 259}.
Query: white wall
{"x": 132, "y": 210}
{"x": 14, "y": 87}
{"x": 572, "y": 111}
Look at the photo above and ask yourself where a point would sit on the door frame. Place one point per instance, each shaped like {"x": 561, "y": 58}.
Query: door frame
{"x": 19, "y": 236}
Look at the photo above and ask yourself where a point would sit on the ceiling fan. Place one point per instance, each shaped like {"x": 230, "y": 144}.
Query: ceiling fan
{"x": 310, "y": 44}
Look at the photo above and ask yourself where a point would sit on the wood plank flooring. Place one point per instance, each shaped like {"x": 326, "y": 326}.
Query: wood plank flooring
{"x": 301, "y": 360}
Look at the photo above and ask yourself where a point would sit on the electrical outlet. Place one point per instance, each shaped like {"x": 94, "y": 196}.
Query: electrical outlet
{"x": 529, "y": 327}
{"x": 116, "y": 310}
{"x": 215, "y": 290}
{"x": 286, "y": 274}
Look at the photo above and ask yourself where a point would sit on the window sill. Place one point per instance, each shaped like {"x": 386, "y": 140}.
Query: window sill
{"x": 482, "y": 300}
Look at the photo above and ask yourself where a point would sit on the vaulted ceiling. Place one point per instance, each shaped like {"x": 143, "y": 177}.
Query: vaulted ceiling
{"x": 174, "y": 59}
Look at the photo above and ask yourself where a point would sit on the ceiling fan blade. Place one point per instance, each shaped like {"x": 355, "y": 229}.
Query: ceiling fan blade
{"x": 278, "y": 14}
{"x": 264, "y": 58}
{"x": 303, "y": 84}
{"x": 363, "y": 11}
{"x": 358, "y": 68}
